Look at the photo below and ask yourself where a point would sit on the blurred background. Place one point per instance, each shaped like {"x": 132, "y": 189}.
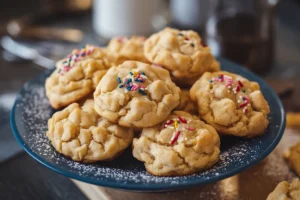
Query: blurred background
{"x": 261, "y": 35}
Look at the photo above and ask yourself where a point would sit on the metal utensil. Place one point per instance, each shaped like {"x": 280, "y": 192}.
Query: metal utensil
{"x": 26, "y": 53}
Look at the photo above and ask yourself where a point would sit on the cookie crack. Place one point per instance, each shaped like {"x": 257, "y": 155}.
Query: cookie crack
{"x": 183, "y": 159}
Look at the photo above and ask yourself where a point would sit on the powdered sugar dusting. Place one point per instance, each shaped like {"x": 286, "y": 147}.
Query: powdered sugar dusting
{"x": 34, "y": 111}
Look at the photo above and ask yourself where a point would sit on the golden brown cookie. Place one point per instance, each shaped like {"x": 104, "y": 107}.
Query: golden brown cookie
{"x": 136, "y": 94}
{"x": 182, "y": 53}
{"x": 186, "y": 104}
{"x": 181, "y": 145}
{"x": 81, "y": 134}
{"x": 77, "y": 75}
{"x": 293, "y": 158}
{"x": 286, "y": 191}
{"x": 128, "y": 48}
{"x": 230, "y": 103}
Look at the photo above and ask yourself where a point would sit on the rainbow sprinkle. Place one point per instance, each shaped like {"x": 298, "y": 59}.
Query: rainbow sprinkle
{"x": 235, "y": 86}
{"x": 179, "y": 124}
{"x": 134, "y": 82}
{"x": 229, "y": 83}
{"x": 76, "y": 56}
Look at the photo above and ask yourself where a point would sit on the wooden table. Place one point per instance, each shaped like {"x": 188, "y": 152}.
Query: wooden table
{"x": 254, "y": 183}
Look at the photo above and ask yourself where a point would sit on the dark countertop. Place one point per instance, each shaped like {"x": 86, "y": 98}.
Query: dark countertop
{"x": 21, "y": 177}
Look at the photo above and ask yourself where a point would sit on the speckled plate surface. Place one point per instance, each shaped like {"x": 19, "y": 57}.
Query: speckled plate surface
{"x": 32, "y": 110}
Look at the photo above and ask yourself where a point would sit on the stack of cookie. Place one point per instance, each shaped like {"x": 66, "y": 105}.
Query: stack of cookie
{"x": 152, "y": 93}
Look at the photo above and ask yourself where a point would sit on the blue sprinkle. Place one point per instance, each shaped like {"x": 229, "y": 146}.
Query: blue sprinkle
{"x": 83, "y": 54}
{"x": 144, "y": 73}
{"x": 140, "y": 81}
{"x": 131, "y": 73}
{"x": 120, "y": 86}
{"x": 142, "y": 92}
{"x": 128, "y": 88}
{"x": 129, "y": 80}
{"x": 119, "y": 80}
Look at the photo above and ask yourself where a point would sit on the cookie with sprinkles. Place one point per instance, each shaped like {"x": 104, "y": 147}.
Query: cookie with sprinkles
{"x": 181, "y": 145}
{"x": 135, "y": 94}
{"x": 231, "y": 103}
{"x": 128, "y": 48}
{"x": 77, "y": 75}
{"x": 182, "y": 53}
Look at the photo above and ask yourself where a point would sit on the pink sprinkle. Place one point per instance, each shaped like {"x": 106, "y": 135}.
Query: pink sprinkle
{"x": 67, "y": 68}
{"x": 190, "y": 128}
{"x": 135, "y": 88}
{"x": 121, "y": 39}
{"x": 157, "y": 65}
{"x": 228, "y": 84}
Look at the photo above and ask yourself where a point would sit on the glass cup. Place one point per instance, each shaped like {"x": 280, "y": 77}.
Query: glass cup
{"x": 243, "y": 31}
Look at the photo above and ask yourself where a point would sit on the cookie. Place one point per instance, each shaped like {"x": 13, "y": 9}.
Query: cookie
{"x": 293, "y": 158}
{"x": 136, "y": 94}
{"x": 182, "y": 53}
{"x": 186, "y": 104}
{"x": 81, "y": 134}
{"x": 230, "y": 103}
{"x": 77, "y": 75}
{"x": 286, "y": 191}
{"x": 128, "y": 48}
{"x": 181, "y": 145}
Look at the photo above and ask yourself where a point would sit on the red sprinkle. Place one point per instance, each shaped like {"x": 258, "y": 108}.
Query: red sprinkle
{"x": 204, "y": 45}
{"x": 168, "y": 123}
{"x": 243, "y": 104}
{"x": 182, "y": 120}
{"x": 175, "y": 137}
{"x": 186, "y": 38}
{"x": 240, "y": 83}
{"x": 237, "y": 88}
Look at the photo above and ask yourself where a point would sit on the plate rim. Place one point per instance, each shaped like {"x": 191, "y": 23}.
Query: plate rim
{"x": 158, "y": 186}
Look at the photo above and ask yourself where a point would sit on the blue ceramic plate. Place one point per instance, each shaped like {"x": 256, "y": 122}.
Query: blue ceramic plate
{"x": 29, "y": 123}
